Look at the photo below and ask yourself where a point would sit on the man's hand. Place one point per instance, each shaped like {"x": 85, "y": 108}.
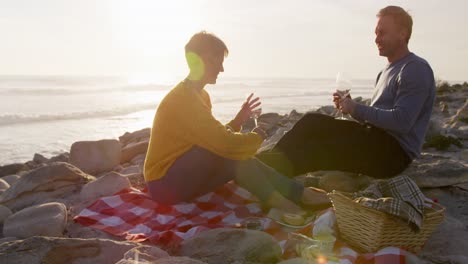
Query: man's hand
{"x": 347, "y": 105}
{"x": 248, "y": 107}
{"x": 337, "y": 97}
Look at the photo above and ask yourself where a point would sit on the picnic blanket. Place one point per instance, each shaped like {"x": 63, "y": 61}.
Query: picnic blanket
{"x": 132, "y": 214}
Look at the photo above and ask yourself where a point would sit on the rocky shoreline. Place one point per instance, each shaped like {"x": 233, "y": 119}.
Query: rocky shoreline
{"x": 40, "y": 198}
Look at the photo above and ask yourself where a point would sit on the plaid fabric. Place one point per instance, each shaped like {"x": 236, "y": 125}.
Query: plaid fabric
{"x": 132, "y": 214}
{"x": 399, "y": 196}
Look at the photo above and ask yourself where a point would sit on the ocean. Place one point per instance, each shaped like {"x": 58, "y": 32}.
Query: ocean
{"x": 46, "y": 115}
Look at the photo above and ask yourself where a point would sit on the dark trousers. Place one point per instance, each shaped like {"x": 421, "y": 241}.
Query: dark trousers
{"x": 321, "y": 142}
{"x": 199, "y": 171}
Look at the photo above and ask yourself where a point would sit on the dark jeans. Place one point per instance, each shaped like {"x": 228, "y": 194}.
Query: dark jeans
{"x": 321, "y": 142}
{"x": 199, "y": 171}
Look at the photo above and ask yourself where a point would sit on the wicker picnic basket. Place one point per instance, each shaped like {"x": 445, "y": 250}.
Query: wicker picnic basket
{"x": 369, "y": 230}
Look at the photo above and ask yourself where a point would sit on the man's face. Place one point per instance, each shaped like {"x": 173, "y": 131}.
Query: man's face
{"x": 213, "y": 66}
{"x": 389, "y": 37}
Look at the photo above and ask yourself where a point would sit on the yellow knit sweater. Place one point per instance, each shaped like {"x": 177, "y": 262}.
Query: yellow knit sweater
{"x": 184, "y": 119}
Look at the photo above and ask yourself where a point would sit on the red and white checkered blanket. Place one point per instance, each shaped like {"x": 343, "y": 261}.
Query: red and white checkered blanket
{"x": 132, "y": 214}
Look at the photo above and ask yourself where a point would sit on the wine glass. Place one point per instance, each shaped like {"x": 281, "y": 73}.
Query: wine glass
{"x": 343, "y": 87}
{"x": 255, "y": 114}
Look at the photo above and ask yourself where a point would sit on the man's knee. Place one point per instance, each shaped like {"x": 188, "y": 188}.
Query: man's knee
{"x": 312, "y": 117}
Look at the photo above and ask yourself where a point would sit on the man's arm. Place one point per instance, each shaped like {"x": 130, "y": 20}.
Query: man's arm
{"x": 414, "y": 88}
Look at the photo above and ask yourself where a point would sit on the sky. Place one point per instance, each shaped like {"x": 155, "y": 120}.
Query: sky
{"x": 266, "y": 38}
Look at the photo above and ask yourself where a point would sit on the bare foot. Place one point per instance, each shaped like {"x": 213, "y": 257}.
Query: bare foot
{"x": 315, "y": 197}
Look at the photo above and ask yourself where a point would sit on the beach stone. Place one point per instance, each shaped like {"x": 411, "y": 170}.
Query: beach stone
{"x": 178, "y": 260}
{"x": 106, "y": 185}
{"x": 145, "y": 253}
{"x": 341, "y": 181}
{"x": 63, "y": 157}
{"x": 38, "y": 158}
{"x": 135, "y": 136}
{"x": 45, "y": 184}
{"x": 268, "y": 121}
{"x": 94, "y": 157}
{"x": 137, "y": 180}
{"x": 231, "y": 245}
{"x": 7, "y": 239}
{"x": 133, "y": 149}
{"x": 328, "y": 110}
{"x": 165, "y": 260}
{"x": 42, "y": 250}
{"x": 40, "y": 220}
{"x": 11, "y": 179}
{"x": 131, "y": 170}
{"x": 12, "y": 169}
{"x": 139, "y": 159}
{"x": 4, "y": 185}
{"x": 5, "y": 212}
{"x": 295, "y": 261}
{"x": 448, "y": 243}
{"x": 436, "y": 171}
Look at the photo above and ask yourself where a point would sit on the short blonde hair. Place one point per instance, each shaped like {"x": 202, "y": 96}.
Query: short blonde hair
{"x": 401, "y": 17}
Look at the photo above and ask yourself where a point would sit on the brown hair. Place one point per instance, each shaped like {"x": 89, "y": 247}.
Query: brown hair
{"x": 400, "y": 16}
{"x": 204, "y": 43}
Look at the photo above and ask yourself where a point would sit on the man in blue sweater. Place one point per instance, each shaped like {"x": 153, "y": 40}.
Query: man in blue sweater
{"x": 390, "y": 132}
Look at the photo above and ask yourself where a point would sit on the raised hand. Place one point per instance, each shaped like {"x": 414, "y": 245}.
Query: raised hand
{"x": 248, "y": 109}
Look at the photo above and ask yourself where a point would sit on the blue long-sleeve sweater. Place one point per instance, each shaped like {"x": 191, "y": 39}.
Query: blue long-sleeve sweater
{"x": 402, "y": 102}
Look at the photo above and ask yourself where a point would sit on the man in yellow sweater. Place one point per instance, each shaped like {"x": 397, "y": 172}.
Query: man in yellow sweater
{"x": 191, "y": 153}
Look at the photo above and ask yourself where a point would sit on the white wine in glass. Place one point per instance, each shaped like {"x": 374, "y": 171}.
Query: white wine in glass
{"x": 343, "y": 87}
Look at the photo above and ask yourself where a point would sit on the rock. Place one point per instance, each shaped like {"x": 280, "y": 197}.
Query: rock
{"x": 230, "y": 245}
{"x": 40, "y": 220}
{"x": 135, "y": 136}
{"x": 448, "y": 243}
{"x": 38, "y": 158}
{"x": 7, "y": 239}
{"x": 138, "y": 159}
{"x": 64, "y": 157}
{"x": 268, "y": 121}
{"x": 5, "y": 212}
{"x": 3, "y": 185}
{"x": 328, "y": 110}
{"x": 11, "y": 179}
{"x": 106, "y": 185}
{"x": 145, "y": 253}
{"x": 166, "y": 260}
{"x": 434, "y": 129}
{"x": 294, "y": 116}
{"x": 137, "y": 180}
{"x": 341, "y": 181}
{"x": 41, "y": 250}
{"x": 12, "y": 169}
{"x": 432, "y": 171}
{"x": 131, "y": 170}
{"x": 132, "y": 150}
{"x": 444, "y": 108}
{"x": 295, "y": 261}
{"x": 461, "y": 114}
{"x": 48, "y": 183}
{"x": 308, "y": 180}
{"x": 178, "y": 260}
{"x": 94, "y": 157}
{"x": 461, "y": 132}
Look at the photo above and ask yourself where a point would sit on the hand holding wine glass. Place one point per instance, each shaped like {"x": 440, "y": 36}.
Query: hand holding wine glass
{"x": 343, "y": 88}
